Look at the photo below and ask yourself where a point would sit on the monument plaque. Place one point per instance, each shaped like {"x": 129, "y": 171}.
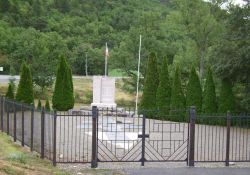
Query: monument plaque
{"x": 103, "y": 91}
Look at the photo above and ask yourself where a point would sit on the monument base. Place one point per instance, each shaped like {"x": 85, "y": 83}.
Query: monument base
{"x": 104, "y": 105}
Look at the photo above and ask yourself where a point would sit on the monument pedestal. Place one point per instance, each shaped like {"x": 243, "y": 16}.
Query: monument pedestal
{"x": 103, "y": 92}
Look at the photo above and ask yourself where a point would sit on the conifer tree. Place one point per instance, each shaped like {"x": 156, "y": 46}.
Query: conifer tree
{"x": 47, "y": 105}
{"x": 194, "y": 91}
{"x": 226, "y": 100}
{"x": 209, "y": 104}
{"x": 164, "y": 90}
{"x": 63, "y": 96}
{"x": 25, "y": 87}
{"x": 177, "y": 102}
{"x": 39, "y": 105}
{"x": 148, "y": 100}
{"x": 10, "y": 92}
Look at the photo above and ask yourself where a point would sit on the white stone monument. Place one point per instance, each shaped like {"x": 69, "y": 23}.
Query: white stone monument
{"x": 103, "y": 91}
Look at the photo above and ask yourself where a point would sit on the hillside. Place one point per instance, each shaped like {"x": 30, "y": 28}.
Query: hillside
{"x": 41, "y": 30}
{"x": 188, "y": 32}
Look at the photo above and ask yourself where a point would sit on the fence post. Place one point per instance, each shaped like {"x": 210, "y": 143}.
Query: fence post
{"x": 22, "y": 125}
{"x": 14, "y": 108}
{"x": 54, "y": 139}
{"x": 94, "y": 137}
{"x": 42, "y": 133}
{"x": 32, "y": 129}
{"x": 143, "y": 140}
{"x": 228, "y": 138}
{"x": 2, "y": 101}
{"x": 192, "y": 116}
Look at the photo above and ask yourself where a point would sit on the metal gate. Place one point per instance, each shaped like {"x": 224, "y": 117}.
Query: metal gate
{"x": 124, "y": 136}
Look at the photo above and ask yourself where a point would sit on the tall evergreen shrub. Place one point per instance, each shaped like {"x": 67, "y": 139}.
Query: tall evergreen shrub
{"x": 39, "y": 105}
{"x": 163, "y": 94}
{"x": 194, "y": 91}
{"x": 25, "y": 87}
{"x": 226, "y": 99}
{"x": 10, "y": 92}
{"x": 148, "y": 100}
{"x": 63, "y": 96}
{"x": 177, "y": 102}
{"x": 209, "y": 105}
{"x": 47, "y": 105}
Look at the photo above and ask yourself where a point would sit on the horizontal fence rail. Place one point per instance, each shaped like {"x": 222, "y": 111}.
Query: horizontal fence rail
{"x": 95, "y": 135}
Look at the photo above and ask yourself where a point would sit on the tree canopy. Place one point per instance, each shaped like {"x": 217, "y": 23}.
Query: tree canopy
{"x": 188, "y": 32}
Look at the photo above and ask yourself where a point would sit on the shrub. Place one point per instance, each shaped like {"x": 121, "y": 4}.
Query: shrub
{"x": 209, "y": 105}
{"x": 177, "y": 102}
{"x": 63, "y": 96}
{"x": 47, "y": 105}
{"x": 148, "y": 100}
{"x": 163, "y": 94}
{"x": 226, "y": 100}
{"x": 194, "y": 91}
{"x": 39, "y": 105}
{"x": 25, "y": 87}
{"x": 10, "y": 92}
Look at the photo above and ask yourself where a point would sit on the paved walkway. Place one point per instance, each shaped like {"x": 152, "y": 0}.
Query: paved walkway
{"x": 188, "y": 171}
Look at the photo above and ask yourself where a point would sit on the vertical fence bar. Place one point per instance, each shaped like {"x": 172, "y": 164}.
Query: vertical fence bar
{"x": 14, "y": 108}
{"x": 42, "y": 133}
{"x": 228, "y": 138}
{"x": 32, "y": 129}
{"x": 143, "y": 140}
{"x": 8, "y": 117}
{"x": 54, "y": 138}
{"x": 22, "y": 125}
{"x": 188, "y": 140}
{"x": 191, "y": 136}
{"x": 2, "y": 101}
{"x": 94, "y": 137}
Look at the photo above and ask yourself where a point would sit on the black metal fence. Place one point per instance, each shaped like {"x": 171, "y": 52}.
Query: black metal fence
{"x": 31, "y": 127}
{"x": 117, "y": 135}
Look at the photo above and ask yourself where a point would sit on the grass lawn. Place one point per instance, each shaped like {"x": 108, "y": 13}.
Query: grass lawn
{"x": 83, "y": 93}
{"x": 16, "y": 160}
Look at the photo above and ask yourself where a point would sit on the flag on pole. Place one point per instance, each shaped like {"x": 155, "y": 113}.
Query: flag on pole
{"x": 106, "y": 59}
{"x": 107, "y": 51}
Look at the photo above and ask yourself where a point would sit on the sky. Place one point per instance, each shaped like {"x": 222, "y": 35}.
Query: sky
{"x": 240, "y": 2}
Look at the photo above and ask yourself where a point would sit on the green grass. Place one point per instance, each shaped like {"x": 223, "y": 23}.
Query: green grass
{"x": 116, "y": 73}
{"x": 16, "y": 160}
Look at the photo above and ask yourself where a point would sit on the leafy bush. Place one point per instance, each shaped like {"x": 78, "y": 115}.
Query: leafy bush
{"x": 18, "y": 157}
{"x": 88, "y": 98}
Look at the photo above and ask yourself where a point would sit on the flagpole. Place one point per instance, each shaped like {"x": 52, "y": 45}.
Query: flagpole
{"x": 106, "y": 60}
{"x": 138, "y": 77}
{"x": 86, "y": 64}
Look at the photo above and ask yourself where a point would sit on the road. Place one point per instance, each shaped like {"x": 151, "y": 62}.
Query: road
{"x": 4, "y": 79}
{"x": 189, "y": 171}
